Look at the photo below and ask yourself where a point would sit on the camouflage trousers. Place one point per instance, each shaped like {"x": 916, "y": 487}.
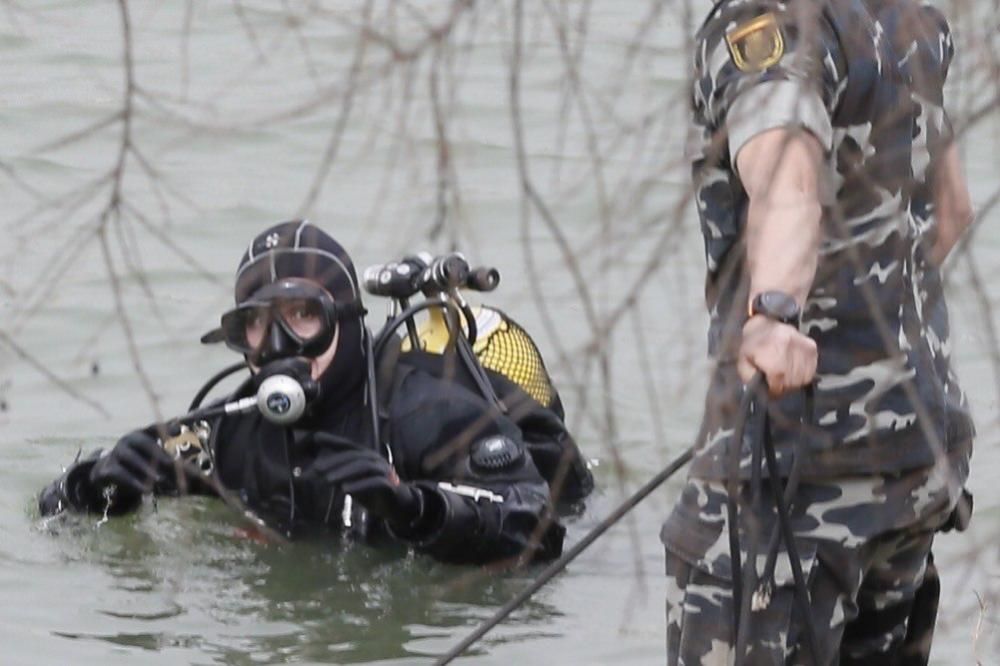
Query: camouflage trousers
{"x": 863, "y": 543}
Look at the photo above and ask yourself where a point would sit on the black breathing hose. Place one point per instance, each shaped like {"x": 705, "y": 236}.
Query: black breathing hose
{"x": 464, "y": 348}
{"x": 212, "y": 381}
{"x": 390, "y": 328}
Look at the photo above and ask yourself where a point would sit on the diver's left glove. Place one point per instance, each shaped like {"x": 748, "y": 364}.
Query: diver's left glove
{"x": 371, "y": 480}
{"x": 111, "y": 482}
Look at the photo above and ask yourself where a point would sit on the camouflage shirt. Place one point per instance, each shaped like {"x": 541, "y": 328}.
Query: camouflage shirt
{"x": 865, "y": 77}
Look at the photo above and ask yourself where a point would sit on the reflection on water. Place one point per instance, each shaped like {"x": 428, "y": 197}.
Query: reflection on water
{"x": 329, "y": 601}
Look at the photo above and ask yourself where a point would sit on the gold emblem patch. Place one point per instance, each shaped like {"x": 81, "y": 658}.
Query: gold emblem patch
{"x": 756, "y": 44}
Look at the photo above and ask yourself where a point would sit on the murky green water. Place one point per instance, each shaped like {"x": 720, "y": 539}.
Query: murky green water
{"x": 234, "y": 108}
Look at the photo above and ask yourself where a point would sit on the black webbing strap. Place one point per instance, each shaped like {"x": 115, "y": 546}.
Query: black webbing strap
{"x": 766, "y": 583}
{"x": 732, "y": 494}
{"x": 744, "y": 576}
{"x": 389, "y": 374}
{"x": 801, "y": 591}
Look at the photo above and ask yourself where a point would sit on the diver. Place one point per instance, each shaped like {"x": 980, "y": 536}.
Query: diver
{"x": 384, "y": 450}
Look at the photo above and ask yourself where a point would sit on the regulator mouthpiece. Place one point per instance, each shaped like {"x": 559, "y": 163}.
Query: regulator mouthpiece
{"x": 281, "y": 399}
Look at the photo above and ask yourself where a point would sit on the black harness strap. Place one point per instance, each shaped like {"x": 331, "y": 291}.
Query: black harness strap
{"x": 389, "y": 374}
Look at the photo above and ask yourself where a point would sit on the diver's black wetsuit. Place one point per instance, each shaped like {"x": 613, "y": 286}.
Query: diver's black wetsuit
{"x": 481, "y": 501}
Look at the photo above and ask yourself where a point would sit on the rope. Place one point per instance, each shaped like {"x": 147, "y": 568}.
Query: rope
{"x": 559, "y": 565}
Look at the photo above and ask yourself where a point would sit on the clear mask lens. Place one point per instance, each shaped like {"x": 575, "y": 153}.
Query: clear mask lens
{"x": 303, "y": 320}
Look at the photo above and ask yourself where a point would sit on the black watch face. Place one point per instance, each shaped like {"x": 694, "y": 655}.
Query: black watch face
{"x": 777, "y": 305}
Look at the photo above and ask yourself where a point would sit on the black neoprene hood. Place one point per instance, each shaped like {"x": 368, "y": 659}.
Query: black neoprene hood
{"x": 296, "y": 249}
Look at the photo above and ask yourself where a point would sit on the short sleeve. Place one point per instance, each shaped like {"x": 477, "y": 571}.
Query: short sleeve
{"x": 763, "y": 65}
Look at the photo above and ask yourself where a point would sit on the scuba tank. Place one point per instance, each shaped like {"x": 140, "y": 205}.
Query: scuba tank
{"x": 479, "y": 347}
{"x": 502, "y": 346}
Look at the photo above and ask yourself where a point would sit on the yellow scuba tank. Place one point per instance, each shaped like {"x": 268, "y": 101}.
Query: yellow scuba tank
{"x": 501, "y": 346}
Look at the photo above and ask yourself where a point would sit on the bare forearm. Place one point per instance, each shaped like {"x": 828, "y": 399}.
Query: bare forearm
{"x": 782, "y": 246}
{"x": 779, "y": 170}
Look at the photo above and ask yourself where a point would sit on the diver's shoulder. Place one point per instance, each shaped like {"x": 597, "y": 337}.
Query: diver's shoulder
{"x": 421, "y": 388}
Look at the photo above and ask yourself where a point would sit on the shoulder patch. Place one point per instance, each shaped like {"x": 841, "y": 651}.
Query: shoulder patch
{"x": 756, "y": 44}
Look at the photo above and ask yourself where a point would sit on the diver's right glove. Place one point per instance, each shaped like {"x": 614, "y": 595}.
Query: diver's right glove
{"x": 136, "y": 464}
{"x": 371, "y": 480}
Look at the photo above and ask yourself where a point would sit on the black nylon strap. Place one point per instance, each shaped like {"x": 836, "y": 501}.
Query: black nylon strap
{"x": 732, "y": 497}
{"x": 801, "y": 591}
{"x": 744, "y": 578}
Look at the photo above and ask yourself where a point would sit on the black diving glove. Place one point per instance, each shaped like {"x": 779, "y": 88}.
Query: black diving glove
{"x": 133, "y": 467}
{"x": 371, "y": 480}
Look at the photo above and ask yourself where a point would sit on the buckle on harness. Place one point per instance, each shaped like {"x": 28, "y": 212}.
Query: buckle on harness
{"x": 471, "y": 491}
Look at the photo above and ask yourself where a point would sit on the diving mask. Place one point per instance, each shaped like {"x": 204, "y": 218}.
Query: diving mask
{"x": 283, "y": 319}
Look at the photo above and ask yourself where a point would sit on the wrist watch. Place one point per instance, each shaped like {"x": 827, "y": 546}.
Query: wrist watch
{"x": 776, "y": 305}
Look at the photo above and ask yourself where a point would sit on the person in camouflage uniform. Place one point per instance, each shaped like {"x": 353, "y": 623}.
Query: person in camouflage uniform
{"x": 829, "y": 191}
